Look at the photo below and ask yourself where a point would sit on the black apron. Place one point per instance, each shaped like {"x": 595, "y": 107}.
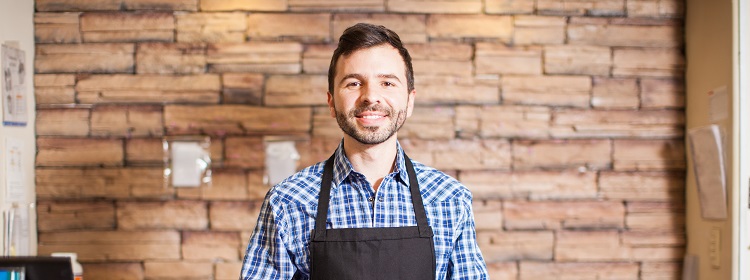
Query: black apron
{"x": 392, "y": 253}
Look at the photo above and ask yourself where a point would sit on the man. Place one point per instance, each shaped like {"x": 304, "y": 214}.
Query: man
{"x": 368, "y": 212}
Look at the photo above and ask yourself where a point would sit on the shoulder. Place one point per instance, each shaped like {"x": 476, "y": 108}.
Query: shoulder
{"x": 300, "y": 188}
{"x": 436, "y": 186}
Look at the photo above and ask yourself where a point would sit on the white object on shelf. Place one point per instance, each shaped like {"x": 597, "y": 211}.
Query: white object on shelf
{"x": 77, "y": 268}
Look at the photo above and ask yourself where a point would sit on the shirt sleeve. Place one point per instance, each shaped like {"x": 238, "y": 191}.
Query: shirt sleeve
{"x": 266, "y": 256}
{"x": 466, "y": 260}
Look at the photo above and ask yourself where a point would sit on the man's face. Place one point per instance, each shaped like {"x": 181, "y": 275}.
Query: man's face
{"x": 371, "y": 99}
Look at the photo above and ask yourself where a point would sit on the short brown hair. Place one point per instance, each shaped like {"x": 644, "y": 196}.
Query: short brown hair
{"x": 365, "y": 35}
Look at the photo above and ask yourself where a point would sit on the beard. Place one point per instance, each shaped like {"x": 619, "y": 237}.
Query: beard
{"x": 371, "y": 135}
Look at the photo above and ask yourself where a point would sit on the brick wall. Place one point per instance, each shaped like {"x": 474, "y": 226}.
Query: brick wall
{"x": 564, "y": 117}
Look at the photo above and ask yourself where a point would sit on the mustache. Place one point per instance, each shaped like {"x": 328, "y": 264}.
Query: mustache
{"x": 371, "y": 108}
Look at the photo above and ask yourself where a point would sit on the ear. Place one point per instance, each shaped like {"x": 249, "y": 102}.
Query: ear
{"x": 331, "y": 107}
{"x": 410, "y": 102}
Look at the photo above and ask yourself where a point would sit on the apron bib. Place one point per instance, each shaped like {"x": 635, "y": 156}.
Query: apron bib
{"x": 393, "y": 253}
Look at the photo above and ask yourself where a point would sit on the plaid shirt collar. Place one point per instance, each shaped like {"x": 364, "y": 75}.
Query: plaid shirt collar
{"x": 342, "y": 167}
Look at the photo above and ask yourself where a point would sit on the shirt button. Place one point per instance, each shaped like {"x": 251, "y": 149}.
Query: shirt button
{"x": 380, "y": 199}
{"x": 371, "y": 199}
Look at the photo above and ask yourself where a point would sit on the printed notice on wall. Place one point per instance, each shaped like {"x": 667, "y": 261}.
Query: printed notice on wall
{"x": 15, "y": 191}
{"x": 16, "y": 219}
{"x": 14, "y": 96}
{"x": 16, "y": 226}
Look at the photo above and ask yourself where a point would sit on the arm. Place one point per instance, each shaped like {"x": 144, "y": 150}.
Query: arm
{"x": 466, "y": 259}
{"x": 266, "y": 256}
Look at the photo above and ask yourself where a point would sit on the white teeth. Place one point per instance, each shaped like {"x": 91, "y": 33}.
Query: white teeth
{"x": 371, "y": 117}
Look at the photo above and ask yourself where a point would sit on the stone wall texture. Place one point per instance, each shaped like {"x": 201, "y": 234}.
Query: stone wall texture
{"x": 565, "y": 118}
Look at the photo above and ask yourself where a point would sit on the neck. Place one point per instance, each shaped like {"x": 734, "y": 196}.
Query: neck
{"x": 374, "y": 161}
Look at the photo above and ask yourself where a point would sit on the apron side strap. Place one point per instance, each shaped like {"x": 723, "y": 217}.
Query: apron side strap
{"x": 416, "y": 200}
{"x": 319, "y": 235}
{"x": 425, "y": 232}
{"x": 324, "y": 197}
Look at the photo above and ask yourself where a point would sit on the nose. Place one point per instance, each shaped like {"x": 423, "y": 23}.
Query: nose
{"x": 370, "y": 94}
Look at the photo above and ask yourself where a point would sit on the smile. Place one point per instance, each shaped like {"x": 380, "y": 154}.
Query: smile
{"x": 371, "y": 114}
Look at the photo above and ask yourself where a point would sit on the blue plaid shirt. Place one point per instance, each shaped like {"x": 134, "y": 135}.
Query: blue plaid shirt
{"x": 279, "y": 246}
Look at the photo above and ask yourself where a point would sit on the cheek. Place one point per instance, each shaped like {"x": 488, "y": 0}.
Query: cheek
{"x": 398, "y": 102}
{"x": 341, "y": 104}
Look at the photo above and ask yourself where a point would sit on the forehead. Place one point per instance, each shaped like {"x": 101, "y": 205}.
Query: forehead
{"x": 381, "y": 59}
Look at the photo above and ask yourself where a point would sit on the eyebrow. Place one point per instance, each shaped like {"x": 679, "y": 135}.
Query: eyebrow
{"x": 389, "y": 76}
{"x": 353, "y": 75}
{"x": 361, "y": 77}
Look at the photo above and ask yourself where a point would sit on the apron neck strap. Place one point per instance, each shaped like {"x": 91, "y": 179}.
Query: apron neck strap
{"x": 416, "y": 200}
{"x": 324, "y": 197}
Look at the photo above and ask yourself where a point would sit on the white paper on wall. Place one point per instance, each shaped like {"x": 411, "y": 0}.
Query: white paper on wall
{"x": 708, "y": 165}
{"x": 16, "y": 234}
{"x": 15, "y": 190}
{"x": 187, "y": 164}
{"x": 187, "y": 161}
{"x": 281, "y": 160}
{"x": 13, "y": 73}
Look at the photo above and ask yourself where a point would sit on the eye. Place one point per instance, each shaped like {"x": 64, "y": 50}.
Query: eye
{"x": 388, "y": 84}
{"x": 354, "y": 84}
